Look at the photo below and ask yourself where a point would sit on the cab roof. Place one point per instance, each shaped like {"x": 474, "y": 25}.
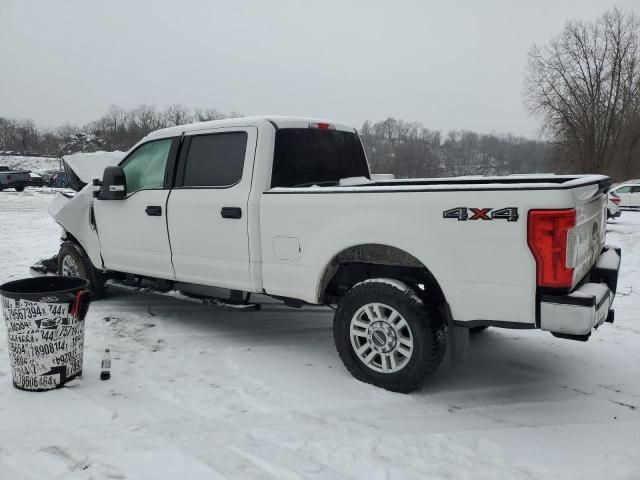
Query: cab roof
{"x": 260, "y": 121}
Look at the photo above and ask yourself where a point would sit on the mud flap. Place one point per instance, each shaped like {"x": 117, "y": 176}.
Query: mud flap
{"x": 458, "y": 344}
{"x": 46, "y": 266}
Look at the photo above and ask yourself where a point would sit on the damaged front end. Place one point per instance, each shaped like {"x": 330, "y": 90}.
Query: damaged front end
{"x": 76, "y": 217}
{"x": 74, "y": 212}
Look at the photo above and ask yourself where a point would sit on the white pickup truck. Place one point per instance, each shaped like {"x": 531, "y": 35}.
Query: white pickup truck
{"x": 287, "y": 207}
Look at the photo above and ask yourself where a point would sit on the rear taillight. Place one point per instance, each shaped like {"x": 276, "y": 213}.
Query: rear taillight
{"x": 615, "y": 200}
{"x": 547, "y": 235}
{"x": 322, "y": 126}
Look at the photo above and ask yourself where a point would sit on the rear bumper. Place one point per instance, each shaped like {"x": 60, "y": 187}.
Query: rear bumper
{"x": 588, "y": 306}
{"x": 613, "y": 210}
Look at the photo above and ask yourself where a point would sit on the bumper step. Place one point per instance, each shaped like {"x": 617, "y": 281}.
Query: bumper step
{"x": 575, "y": 315}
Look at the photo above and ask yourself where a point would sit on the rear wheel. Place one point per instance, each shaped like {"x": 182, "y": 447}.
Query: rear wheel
{"x": 386, "y": 336}
{"x": 74, "y": 262}
{"x": 19, "y": 188}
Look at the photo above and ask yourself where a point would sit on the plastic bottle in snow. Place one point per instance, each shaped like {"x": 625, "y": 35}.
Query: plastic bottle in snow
{"x": 105, "y": 369}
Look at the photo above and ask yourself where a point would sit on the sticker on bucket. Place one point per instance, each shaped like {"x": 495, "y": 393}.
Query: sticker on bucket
{"x": 46, "y": 341}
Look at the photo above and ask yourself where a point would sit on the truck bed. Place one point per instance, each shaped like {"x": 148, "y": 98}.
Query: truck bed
{"x": 485, "y": 267}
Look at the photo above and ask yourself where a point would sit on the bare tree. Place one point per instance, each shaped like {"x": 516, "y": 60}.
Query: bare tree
{"x": 585, "y": 84}
{"x": 118, "y": 129}
{"x": 177, "y": 114}
{"x": 205, "y": 114}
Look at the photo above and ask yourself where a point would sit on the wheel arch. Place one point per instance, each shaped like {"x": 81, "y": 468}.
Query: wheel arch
{"x": 96, "y": 277}
{"x": 360, "y": 262}
{"x": 67, "y": 236}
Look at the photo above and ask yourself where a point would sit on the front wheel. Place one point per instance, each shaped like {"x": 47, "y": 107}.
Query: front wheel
{"x": 386, "y": 336}
{"x": 74, "y": 262}
{"x": 19, "y": 188}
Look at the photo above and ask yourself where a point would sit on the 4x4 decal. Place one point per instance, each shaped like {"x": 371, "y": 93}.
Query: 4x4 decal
{"x": 510, "y": 214}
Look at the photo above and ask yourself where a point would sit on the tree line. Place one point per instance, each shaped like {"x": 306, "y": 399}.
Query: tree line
{"x": 411, "y": 150}
{"x": 584, "y": 85}
{"x": 393, "y": 146}
{"x": 118, "y": 129}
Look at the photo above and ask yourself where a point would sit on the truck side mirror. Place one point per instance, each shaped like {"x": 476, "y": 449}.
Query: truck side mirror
{"x": 114, "y": 184}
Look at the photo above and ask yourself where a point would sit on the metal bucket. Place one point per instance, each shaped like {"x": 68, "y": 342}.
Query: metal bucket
{"x": 45, "y": 329}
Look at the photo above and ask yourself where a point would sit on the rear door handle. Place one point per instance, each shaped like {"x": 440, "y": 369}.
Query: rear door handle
{"x": 153, "y": 211}
{"x": 231, "y": 212}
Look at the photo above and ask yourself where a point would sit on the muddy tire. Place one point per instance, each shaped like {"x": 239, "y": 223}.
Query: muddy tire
{"x": 386, "y": 336}
{"x": 74, "y": 262}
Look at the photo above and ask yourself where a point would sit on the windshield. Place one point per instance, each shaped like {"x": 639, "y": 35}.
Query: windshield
{"x": 311, "y": 156}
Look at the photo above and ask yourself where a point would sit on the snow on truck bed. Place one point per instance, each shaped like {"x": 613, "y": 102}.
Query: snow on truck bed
{"x": 201, "y": 393}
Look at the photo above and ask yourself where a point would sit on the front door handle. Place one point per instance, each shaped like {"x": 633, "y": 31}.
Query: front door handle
{"x": 231, "y": 212}
{"x": 153, "y": 211}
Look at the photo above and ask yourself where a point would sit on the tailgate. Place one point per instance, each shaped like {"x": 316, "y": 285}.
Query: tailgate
{"x": 587, "y": 238}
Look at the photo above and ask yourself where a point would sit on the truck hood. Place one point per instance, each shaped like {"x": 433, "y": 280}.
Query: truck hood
{"x": 82, "y": 168}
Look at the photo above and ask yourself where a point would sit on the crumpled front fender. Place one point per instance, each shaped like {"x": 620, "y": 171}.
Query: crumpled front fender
{"x": 74, "y": 215}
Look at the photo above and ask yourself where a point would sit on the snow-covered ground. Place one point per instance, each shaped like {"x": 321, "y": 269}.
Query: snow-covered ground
{"x": 201, "y": 393}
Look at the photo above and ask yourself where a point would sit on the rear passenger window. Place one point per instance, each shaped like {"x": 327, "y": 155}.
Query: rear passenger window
{"x": 635, "y": 189}
{"x": 215, "y": 160}
{"x": 623, "y": 190}
{"x": 309, "y": 156}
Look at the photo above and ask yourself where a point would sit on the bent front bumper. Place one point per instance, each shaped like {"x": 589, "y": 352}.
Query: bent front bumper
{"x": 588, "y": 306}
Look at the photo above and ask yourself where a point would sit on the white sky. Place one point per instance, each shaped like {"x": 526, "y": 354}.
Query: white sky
{"x": 447, "y": 64}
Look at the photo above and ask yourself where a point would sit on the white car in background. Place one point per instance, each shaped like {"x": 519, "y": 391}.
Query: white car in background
{"x": 626, "y": 195}
{"x": 613, "y": 210}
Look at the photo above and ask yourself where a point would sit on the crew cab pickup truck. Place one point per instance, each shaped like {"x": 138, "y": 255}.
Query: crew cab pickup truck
{"x": 17, "y": 179}
{"x": 288, "y": 207}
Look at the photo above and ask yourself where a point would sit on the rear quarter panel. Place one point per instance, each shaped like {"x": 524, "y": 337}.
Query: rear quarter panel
{"x": 484, "y": 268}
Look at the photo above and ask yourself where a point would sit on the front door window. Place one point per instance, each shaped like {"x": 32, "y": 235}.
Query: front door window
{"x": 145, "y": 167}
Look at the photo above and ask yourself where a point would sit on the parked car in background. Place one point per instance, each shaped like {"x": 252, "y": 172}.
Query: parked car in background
{"x": 58, "y": 180}
{"x": 10, "y": 178}
{"x": 626, "y": 195}
{"x": 36, "y": 180}
{"x": 613, "y": 210}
